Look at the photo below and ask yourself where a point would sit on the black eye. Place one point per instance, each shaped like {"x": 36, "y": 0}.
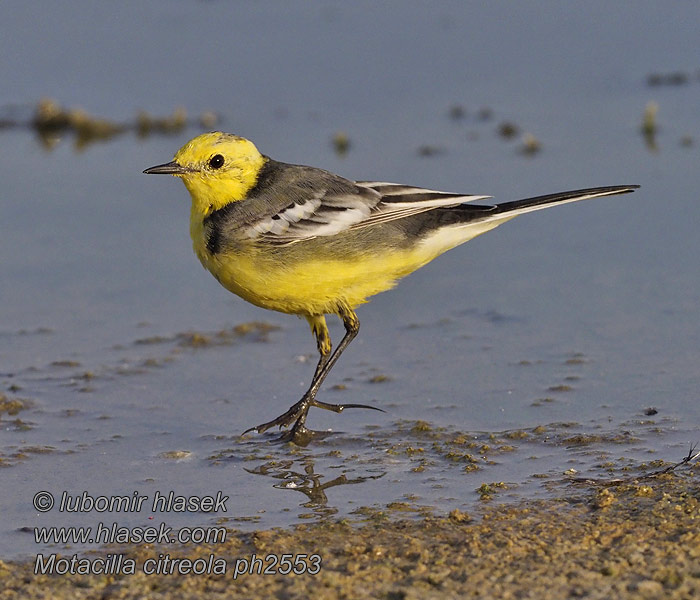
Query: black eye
{"x": 216, "y": 161}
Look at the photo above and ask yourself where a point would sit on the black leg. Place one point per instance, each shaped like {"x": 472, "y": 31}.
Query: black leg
{"x": 323, "y": 342}
{"x": 297, "y": 413}
{"x": 352, "y": 328}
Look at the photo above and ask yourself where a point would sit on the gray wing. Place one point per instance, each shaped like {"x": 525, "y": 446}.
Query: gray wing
{"x": 291, "y": 203}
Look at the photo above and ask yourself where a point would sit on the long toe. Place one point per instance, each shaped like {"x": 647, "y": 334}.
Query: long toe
{"x": 284, "y": 420}
{"x": 341, "y": 407}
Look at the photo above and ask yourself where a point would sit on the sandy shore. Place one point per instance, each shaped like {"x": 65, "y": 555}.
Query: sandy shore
{"x": 632, "y": 540}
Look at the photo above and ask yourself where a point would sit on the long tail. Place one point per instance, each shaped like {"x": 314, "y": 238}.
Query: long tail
{"x": 519, "y": 207}
{"x": 446, "y": 228}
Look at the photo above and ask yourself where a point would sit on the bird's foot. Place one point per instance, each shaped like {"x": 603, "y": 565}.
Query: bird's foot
{"x": 301, "y": 435}
{"x": 297, "y": 415}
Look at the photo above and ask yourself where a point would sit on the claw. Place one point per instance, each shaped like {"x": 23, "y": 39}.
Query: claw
{"x": 364, "y": 406}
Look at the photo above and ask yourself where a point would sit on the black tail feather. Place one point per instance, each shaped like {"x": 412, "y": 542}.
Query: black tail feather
{"x": 562, "y": 197}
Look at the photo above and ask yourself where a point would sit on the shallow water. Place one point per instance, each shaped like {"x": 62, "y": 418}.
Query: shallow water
{"x": 531, "y": 351}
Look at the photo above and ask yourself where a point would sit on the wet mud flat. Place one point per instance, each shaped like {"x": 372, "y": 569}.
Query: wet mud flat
{"x": 596, "y": 539}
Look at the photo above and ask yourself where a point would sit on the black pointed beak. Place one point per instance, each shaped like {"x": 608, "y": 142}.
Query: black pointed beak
{"x": 171, "y": 168}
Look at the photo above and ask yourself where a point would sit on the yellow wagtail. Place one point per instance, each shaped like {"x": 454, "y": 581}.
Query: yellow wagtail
{"x": 304, "y": 241}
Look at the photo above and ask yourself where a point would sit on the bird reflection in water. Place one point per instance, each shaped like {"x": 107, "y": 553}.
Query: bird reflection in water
{"x": 291, "y": 477}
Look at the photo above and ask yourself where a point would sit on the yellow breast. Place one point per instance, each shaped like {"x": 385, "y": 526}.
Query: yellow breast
{"x": 302, "y": 278}
{"x": 316, "y": 276}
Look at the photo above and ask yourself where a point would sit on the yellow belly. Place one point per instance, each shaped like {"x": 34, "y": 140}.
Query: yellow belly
{"x": 309, "y": 287}
{"x": 320, "y": 275}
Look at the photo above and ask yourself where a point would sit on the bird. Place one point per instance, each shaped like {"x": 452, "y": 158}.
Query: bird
{"x": 304, "y": 241}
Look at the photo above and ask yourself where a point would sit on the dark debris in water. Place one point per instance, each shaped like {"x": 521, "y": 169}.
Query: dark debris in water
{"x": 673, "y": 78}
{"x": 508, "y": 130}
{"x": 13, "y": 455}
{"x": 586, "y": 439}
{"x": 660, "y": 468}
{"x": 12, "y": 406}
{"x": 341, "y": 143}
{"x": 257, "y": 331}
{"x": 52, "y": 122}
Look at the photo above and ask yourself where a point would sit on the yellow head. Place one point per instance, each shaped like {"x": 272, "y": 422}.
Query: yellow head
{"x": 217, "y": 168}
